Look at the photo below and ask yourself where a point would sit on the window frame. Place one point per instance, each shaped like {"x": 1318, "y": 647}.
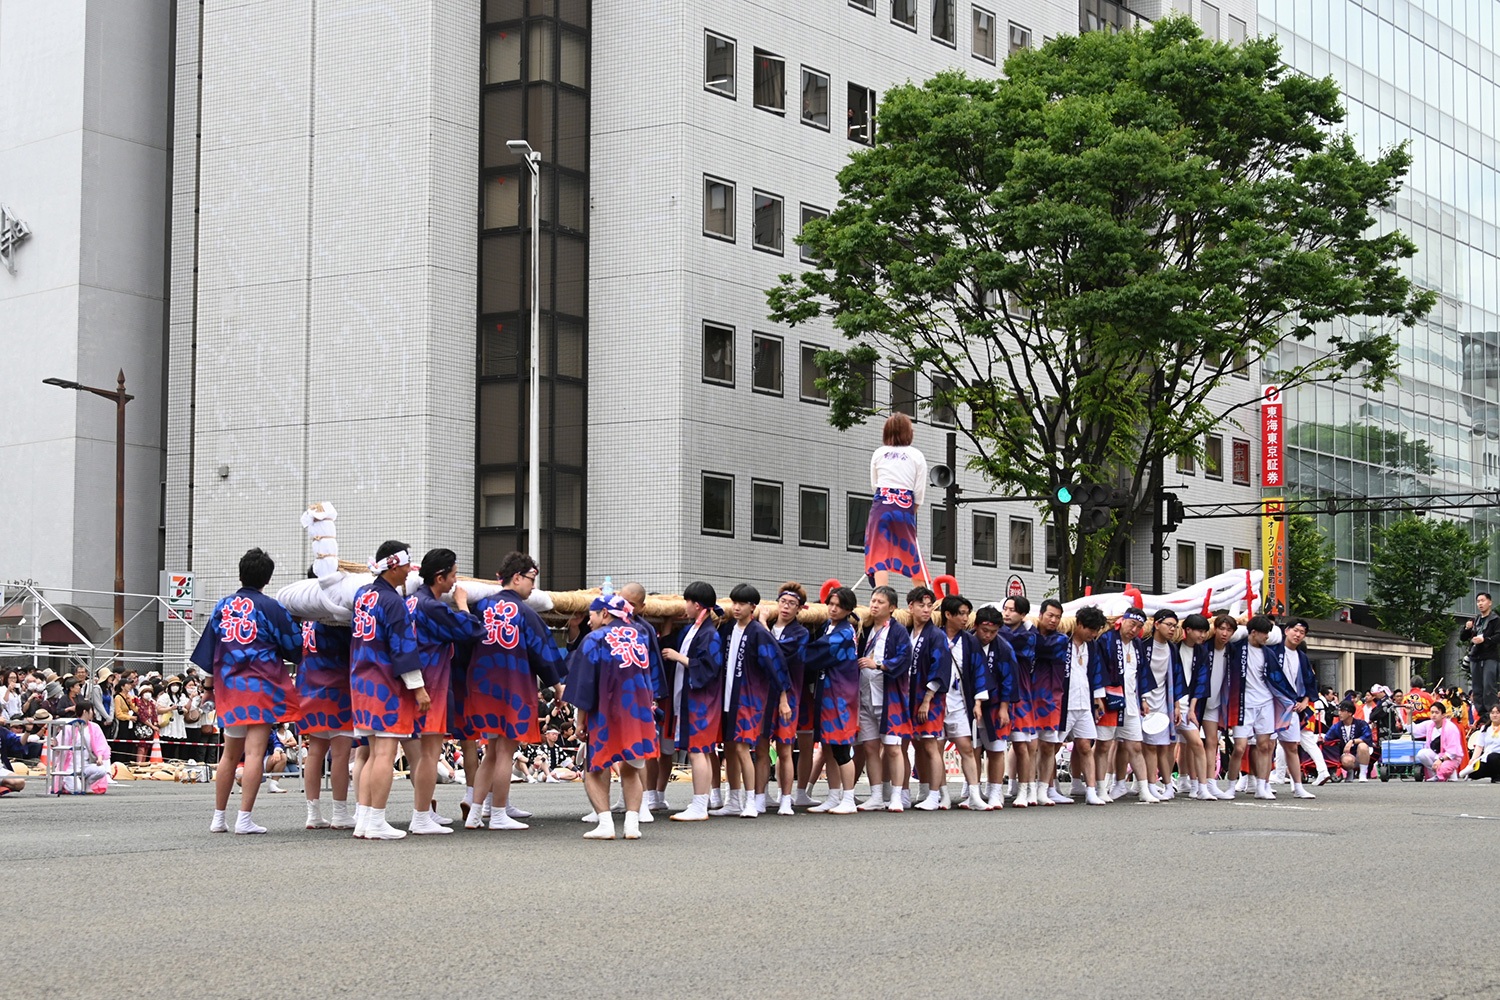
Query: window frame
{"x": 1241, "y": 556}
{"x": 1187, "y": 465}
{"x": 826, "y": 126}
{"x": 1031, "y": 543}
{"x": 734, "y": 46}
{"x": 994, "y": 519}
{"x": 757, "y": 54}
{"x": 849, "y": 527}
{"x": 756, "y": 536}
{"x": 1191, "y": 549}
{"x": 940, "y": 552}
{"x": 952, "y": 8}
{"x": 1207, "y": 550}
{"x": 802, "y": 220}
{"x": 756, "y": 337}
{"x": 908, "y": 25}
{"x": 730, "y": 210}
{"x": 1011, "y": 48}
{"x": 707, "y": 380}
{"x": 802, "y": 493}
{"x": 864, "y": 6}
{"x": 871, "y": 103}
{"x": 780, "y": 249}
{"x": 703, "y": 528}
{"x": 1238, "y": 445}
{"x": 1210, "y": 471}
{"x": 896, "y": 386}
{"x": 802, "y": 387}
{"x": 945, "y": 416}
{"x": 975, "y": 13}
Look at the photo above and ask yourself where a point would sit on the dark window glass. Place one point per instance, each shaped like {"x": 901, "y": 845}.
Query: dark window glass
{"x": 766, "y": 364}
{"x": 718, "y": 504}
{"x": 718, "y": 354}
{"x": 770, "y": 81}
{"x": 858, "y": 511}
{"x": 765, "y": 511}
{"x": 985, "y": 548}
{"x": 813, "y": 519}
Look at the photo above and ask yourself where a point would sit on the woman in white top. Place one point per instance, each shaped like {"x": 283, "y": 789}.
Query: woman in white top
{"x": 1485, "y": 761}
{"x": 898, "y": 475}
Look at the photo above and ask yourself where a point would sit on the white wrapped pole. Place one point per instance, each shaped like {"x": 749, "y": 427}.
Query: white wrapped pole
{"x": 322, "y": 532}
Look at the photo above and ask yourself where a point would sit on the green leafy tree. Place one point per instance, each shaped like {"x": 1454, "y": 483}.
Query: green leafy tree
{"x": 1310, "y": 569}
{"x": 1079, "y": 255}
{"x": 1419, "y": 567}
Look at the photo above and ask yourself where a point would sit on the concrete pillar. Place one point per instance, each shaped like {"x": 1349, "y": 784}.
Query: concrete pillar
{"x": 1345, "y": 680}
{"x": 1403, "y": 673}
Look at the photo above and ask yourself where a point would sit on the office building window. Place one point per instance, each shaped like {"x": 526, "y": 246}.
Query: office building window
{"x": 944, "y": 414}
{"x": 1053, "y": 560}
{"x": 718, "y": 504}
{"x": 904, "y": 13}
{"x": 502, "y": 56}
{"x": 1210, "y": 21}
{"x": 813, "y": 517}
{"x": 765, "y": 363}
{"x": 1104, "y": 15}
{"x": 861, "y": 114}
{"x": 814, "y": 98}
{"x": 857, "y": 508}
{"x": 940, "y": 536}
{"x": 982, "y": 39}
{"x": 1020, "y": 37}
{"x": 718, "y": 354}
{"x": 945, "y": 20}
{"x": 1020, "y": 543}
{"x": 766, "y": 233}
{"x": 868, "y": 6}
{"x": 1240, "y": 461}
{"x": 1187, "y": 564}
{"x": 986, "y": 548}
{"x": 1186, "y": 466}
{"x": 718, "y": 208}
{"x": 810, "y": 213}
{"x": 1237, "y": 31}
{"x": 498, "y": 500}
{"x": 810, "y": 391}
{"x": 718, "y": 73}
{"x": 1213, "y": 459}
{"x": 1213, "y": 560}
{"x": 904, "y": 393}
{"x": 1241, "y": 558}
{"x": 866, "y": 371}
{"x": 765, "y": 511}
{"x": 502, "y": 201}
{"x": 770, "y": 82}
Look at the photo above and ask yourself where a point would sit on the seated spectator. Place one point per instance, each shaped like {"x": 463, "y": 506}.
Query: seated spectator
{"x": 1444, "y": 752}
{"x": 1349, "y": 743}
{"x": 11, "y": 693}
{"x": 556, "y": 760}
{"x": 1382, "y": 713}
{"x": 89, "y": 772}
{"x": 1485, "y": 759}
{"x": 15, "y": 744}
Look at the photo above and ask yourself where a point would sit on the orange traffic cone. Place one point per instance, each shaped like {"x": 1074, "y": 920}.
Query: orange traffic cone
{"x": 156, "y": 757}
{"x": 41, "y": 762}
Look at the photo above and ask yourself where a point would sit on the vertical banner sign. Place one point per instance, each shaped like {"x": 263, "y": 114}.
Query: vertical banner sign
{"x": 1273, "y": 554}
{"x": 177, "y": 597}
{"x": 1271, "y": 473}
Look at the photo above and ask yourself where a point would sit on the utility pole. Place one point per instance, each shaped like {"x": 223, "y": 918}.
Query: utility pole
{"x": 950, "y": 499}
{"x": 1158, "y": 472}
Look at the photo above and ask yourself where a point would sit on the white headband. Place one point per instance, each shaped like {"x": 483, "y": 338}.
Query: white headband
{"x": 402, "y": 558}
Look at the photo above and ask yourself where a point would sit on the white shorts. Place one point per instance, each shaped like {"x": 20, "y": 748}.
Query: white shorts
{"x": 1260, "y": 720}
{"x": 1211, "y": 715}
{"x": 1288, "y": 724}
{"x": 1078, "y": 725}
{"x": 871, "y": 704}
{"x": 956, "y": 726}
{"x": 371, "y": 734}
{"x": 328, "y": 734}
{"x": 1128, "y": 729}
{"x": 982, "y": 738}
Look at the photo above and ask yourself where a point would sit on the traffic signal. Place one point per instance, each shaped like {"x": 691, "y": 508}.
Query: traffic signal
{"x": 1175, "y": 514}
{"x": 1094, "y": 502}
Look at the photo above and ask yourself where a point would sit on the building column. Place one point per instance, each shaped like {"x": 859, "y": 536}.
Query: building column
{"x": 1345, "y": 674}
{"x": 1403, "y": 673}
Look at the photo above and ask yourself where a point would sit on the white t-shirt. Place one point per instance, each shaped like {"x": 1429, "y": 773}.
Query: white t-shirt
{"x": 776, "y": 630}
{"x": 1216, "y": 675}
{"x": 736, "y": 639}
{"x": 1132, "y": 692}
{"x": 1078, "y": 678}
{"x": 1257, "y": 691}
{"x": 1161, "y": 665}
{"x": 679, "y": 677}
{"x": 955, "y": 702}
{"x": 899, "y": 467}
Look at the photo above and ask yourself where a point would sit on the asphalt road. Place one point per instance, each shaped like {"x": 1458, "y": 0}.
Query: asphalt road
{"x": 1370, "y": 891}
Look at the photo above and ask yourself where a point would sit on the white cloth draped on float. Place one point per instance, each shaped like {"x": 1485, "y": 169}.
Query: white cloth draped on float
{"x": 330, "y": 597}
{"x": 1238, "y": 591}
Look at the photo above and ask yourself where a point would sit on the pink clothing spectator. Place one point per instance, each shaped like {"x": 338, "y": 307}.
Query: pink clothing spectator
{"x": 1443, "y": 763}
{"x": 87, "y": 740}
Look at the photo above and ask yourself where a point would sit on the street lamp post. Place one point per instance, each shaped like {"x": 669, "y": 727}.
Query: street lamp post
{"x": 522, "y": 148}
{"x": 120, "y": 397}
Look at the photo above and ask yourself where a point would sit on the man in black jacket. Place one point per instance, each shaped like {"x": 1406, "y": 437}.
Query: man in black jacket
{"x": 1483, "y": 636}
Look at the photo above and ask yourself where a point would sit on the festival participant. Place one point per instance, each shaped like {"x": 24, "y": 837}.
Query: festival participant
{"x": 242, "y": 649}
{"x": 327, "y": 721}
{"x": 791, "y": 635}
{"x": 657, "y": 773}
{"x": 1127, "y": 678}
{"x": 898, "y": 475}
{"x": 993, "y": 721}
{"x": 1049, "y": 691}
{"x": 697, "y": 691}
{"x": 1293, "y": 682}
{"x": 1443, "y": 753}
{"x": 516, "y": 653}
{"x": 609, "y": 681}
{"x": 753, "y": 661}
{"x": 1210, "y": 676}
{"x": 1249, "y": 701}
{"x": 884, "y": 693}
{"x": 1167, "y": 697}
{"x": 1023, "y": 725}
{"x": 386, "y": 687}
{"x": 1081, "y": 701}
{"x": 1193, "y": 647}
{"x": 1351, "y": 742}
{"x": 931, "y": 673}
{"x": 439, "y": 629}
{"x": 968, "y": 690}
{"x": 832, "y": 662}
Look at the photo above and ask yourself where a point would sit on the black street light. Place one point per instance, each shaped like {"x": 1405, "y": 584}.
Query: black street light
{"x": 120, "y": 397}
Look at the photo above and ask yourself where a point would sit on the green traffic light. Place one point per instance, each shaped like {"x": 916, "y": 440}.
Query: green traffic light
{"x": 1064, "y": 495}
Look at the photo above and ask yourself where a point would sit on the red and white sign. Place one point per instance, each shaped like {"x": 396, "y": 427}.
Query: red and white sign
{"x": 1016, "y": 587}
{"x": 1272, "y": 433}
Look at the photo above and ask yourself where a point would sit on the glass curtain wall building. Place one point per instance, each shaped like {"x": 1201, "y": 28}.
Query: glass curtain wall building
{"x": 1421, "y": 72}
